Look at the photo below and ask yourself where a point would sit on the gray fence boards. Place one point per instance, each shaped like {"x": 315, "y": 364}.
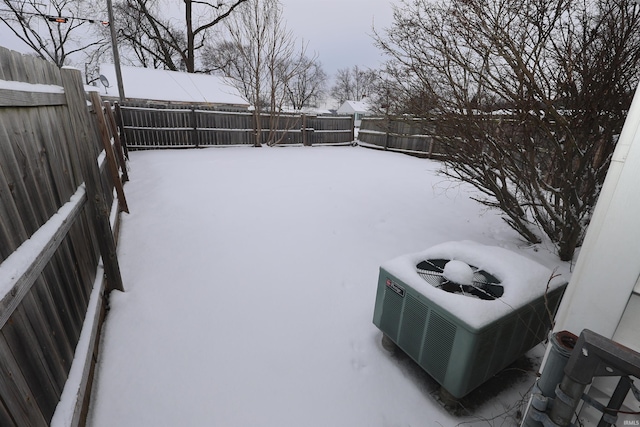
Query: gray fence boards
{"x": 401, "y": 134}
{"x": 330, "y": 129}
{"x": 50, "y": 242}
{"x": 162, "y": 126}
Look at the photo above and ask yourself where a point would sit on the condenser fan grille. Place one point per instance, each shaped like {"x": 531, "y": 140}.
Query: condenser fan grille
{"x": 485, "y": 285}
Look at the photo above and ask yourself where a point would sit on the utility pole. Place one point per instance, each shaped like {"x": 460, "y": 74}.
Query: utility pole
{"x": 114, "y": 47}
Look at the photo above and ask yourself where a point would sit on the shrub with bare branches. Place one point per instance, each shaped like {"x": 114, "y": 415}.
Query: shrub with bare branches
{"x": 527, "y": 97}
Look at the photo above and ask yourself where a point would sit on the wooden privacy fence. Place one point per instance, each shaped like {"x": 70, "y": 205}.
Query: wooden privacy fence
{"x": 162, "y": 126}
{"x": 58, "y": 212}
{"x": 406, "y": 135}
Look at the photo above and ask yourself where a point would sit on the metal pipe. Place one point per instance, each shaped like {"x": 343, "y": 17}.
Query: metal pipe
{"x": 616, "y": 401}
{"x": 562, "y": 344}
{"x": 568, "y": 395}
{"x": 116, "y": 54}
{"x": 593, "y": 356}
{"x": 544, "y": 391}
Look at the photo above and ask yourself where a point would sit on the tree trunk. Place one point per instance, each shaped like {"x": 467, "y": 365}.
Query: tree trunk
{"x": 188, "y": 57}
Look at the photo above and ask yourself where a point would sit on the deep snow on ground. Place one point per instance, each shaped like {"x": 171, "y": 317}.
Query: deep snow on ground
{"x": 250, "y": 279}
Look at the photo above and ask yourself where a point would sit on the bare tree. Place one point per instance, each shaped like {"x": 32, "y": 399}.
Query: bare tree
{"x": 152, "y": 44}
{"x": 257, "y": 60}
{"x": 526, "y": 97}
{"x": 231, "y": 60}
{"x": 353, "y": 84}
{"x": 159, "y": 41}
{"x": 57, "y": 31}
{"x": 92, "y": 61}
{"x": 307, "y": 86}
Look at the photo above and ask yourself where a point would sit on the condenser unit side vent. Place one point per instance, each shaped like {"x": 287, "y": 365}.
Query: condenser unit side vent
{"x": 438, "y": 343}
{"x": 390, "y": 319}
{"x": 413, "y": 325}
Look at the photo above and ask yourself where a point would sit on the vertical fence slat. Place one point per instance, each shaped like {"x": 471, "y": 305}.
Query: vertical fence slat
{"x": 27, "y": 349}
{"x": 119, "y": 124}
{"x": 108, "y": 149}
{"x": 13, "y": 159}
{"x": 113, "y": 128}
{"x": 12, "y": 230}
{"x": 17, "y": 396}
{"x": 72, "y": 82}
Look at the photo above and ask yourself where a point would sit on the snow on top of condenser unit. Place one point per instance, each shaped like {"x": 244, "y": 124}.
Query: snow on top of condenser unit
{"x": 523, "y": 279}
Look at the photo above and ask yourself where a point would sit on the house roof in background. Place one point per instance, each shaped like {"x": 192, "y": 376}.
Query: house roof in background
{"x": 354, "y": 106}
{"x": 164, "y": 85}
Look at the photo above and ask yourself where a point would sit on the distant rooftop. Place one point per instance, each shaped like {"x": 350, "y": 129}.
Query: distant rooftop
{"x": 164, "y": 85}
{"x": 350, "y": 106}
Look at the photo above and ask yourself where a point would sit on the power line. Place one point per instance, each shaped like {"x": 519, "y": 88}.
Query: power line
{"x": 59, "y": 19}
{"x": 65, "y": 19}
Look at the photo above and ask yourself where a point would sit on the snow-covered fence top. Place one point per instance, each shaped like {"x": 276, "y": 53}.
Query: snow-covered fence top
{"x": 55, "y": 193}
{"x": 169, "y": 126}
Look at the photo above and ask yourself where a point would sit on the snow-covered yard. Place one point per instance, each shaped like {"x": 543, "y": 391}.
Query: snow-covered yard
{"x": 250, "y": 280}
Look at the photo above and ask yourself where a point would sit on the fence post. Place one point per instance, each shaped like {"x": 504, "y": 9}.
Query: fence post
{"x": 82, "y": 139}
{"x": 386, "y": 134}
{"x": 116, "y": 140}
{"x": 195, "y": 139}
{"x": 353, "y": 127}
{"x": 312, "y": 137}
{"x": 120, "y": 124}
{"x": 304, "y": 130}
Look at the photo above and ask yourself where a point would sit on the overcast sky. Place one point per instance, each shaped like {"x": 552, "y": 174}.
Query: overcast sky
{"x": 338, "y": 31}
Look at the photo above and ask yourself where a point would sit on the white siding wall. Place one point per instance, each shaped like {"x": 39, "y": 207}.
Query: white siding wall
{"x": 604, "y": 292}
{"x": 608, "y": 266}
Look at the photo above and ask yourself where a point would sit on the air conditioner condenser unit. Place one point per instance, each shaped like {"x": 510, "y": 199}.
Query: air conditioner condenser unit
{"x": 464, "y": 311}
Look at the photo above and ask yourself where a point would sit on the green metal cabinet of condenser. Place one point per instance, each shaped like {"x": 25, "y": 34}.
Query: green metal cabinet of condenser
{"x": 460, "y": 339}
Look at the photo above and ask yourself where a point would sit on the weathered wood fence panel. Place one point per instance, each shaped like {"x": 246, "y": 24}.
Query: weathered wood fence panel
{"x": 161, "y": 126}
{"x": 55, "y": 203}
{"x": 328, "y": 129}
{"x": 406, "y": 135}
